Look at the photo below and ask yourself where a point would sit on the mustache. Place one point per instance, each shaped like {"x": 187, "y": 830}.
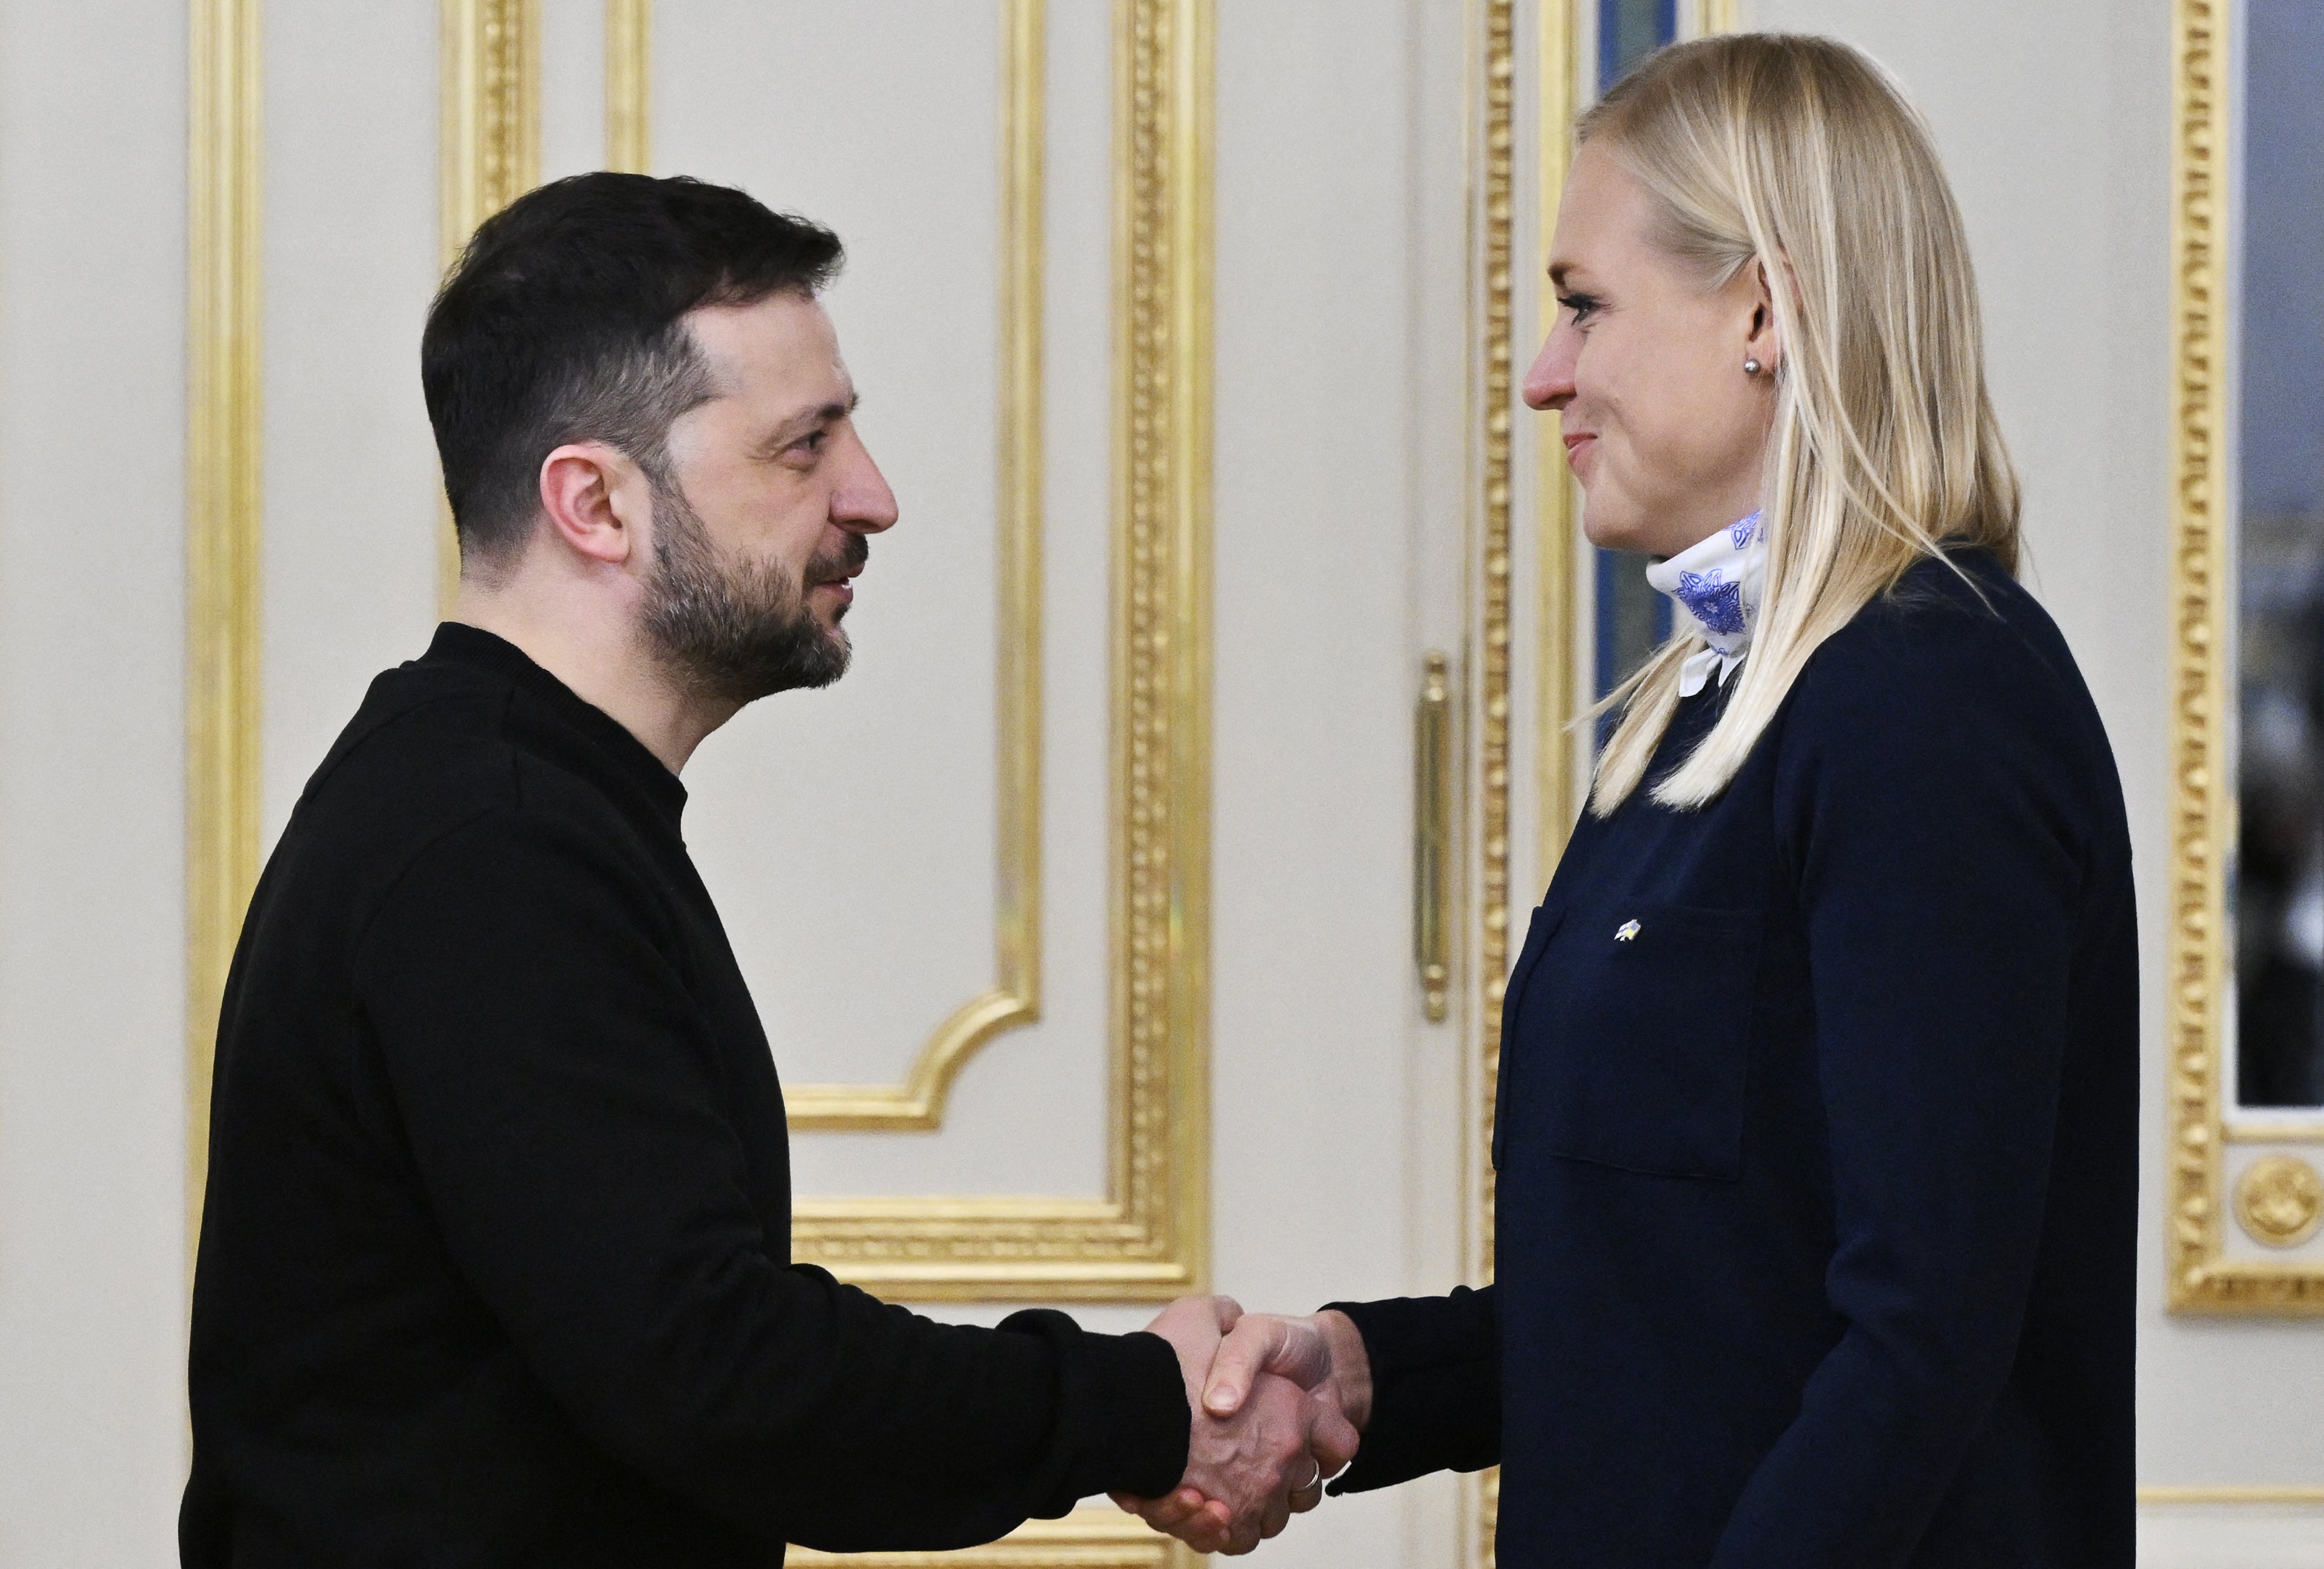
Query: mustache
{"x": 843, "y": 562}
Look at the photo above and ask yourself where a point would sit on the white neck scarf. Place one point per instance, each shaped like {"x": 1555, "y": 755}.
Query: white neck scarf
{"x": 1717, "y": 583}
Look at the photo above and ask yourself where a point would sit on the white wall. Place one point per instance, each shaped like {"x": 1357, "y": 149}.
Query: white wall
{"x": 92, "y": 912}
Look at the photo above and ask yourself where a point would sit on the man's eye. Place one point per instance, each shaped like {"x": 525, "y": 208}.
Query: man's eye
{"x": 812, "y": 443}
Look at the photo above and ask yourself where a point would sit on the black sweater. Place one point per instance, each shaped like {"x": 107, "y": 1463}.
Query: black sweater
{"x": 494, "y": 1262}
{"x": 1817, "y": 1147}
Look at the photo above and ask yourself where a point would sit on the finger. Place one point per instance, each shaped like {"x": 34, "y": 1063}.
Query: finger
{"x": 1333, "y": 1441}
{"x": 1168, "y": 1514}
{"x": 1277, "y": 1516}
{"x": 1242, "y": 1357}
{"x": 1304, "y": 1498}
{"x": 1211, "y": 1531}
{"x": 1228, "y": 1310}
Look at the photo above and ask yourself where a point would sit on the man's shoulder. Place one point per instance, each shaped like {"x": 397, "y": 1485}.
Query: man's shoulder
{"x": 432, "y": 751}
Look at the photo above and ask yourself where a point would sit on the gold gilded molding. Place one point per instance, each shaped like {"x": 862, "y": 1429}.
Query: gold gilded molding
{"x": 1556, "y": 756}
{"x": 1148, "y": 1239}
{"x": 1493, "y": 229}
{"x": 2279, "y": 1200}
{"x": 1711, "y": 16}
{"x": 629, "y": 86}
{"x": 1014, "y": 998}
{"x": 2201, "y": 1277}
{"x": 1084, "y": 1539}
{"x": 488, "y": 149}
{"x": 223, "y": 500}
{"x": 2262, "y": 1496}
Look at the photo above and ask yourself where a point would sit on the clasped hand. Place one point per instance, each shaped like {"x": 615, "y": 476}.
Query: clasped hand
{"x": 1277, "y": 1404}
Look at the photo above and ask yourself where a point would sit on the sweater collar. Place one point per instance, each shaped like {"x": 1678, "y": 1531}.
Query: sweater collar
{"x": 1719, "y": 583}
{"x": 619, "y": 755}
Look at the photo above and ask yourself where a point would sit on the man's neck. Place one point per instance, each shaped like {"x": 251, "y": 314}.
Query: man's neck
{"x": 602, "y": 659}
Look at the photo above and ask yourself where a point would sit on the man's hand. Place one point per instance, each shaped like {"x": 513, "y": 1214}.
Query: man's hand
{"x": 1277, "y": 1404}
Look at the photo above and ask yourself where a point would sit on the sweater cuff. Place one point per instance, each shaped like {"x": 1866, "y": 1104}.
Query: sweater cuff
{"x": 1131, "y": 1410}
{"x": 1436, "y": 1397}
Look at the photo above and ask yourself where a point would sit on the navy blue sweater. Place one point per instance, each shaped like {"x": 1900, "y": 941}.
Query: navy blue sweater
{"x": 1817, "y": 1141}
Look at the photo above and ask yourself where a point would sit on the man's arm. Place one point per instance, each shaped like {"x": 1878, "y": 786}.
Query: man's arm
{"x": 571, "y": 1130}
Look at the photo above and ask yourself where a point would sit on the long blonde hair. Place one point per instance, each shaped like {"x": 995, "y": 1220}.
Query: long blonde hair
{"x": 1798, "y": 154}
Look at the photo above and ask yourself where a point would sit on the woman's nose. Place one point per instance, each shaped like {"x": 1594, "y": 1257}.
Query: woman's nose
{"x": 1549, "y": 384}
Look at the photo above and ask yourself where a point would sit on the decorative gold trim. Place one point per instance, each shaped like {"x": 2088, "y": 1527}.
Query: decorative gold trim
{"x": 224, "y": 492}
{"x": 1014, "y": 998}
{"x": 2279, "y": 1201}
{"x": 2201, "y": 1277}
{"x": 488, "y": 149}
{"x": 1556, "y": 756}
{"x": 2231, "y": 1495}
{"x": 1149, "y": 1238}
{"x": 629, "y": 86}
{"x": 1084, "y": 1539}
{"x": 1712, "y": 16}
{"x": 1493, "y": 236}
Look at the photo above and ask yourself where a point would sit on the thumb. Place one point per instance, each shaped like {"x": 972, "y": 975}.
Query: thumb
{"x": 1262, "y": 1344}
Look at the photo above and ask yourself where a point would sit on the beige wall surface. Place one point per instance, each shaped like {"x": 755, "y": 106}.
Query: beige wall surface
{"x": 92, "y": 913}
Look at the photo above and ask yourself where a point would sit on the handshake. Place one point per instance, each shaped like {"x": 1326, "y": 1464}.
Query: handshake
{"x": 1276, "y": 1403}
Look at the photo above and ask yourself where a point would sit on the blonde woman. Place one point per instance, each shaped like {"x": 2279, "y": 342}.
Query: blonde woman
{"x": 1816, "y": 1140}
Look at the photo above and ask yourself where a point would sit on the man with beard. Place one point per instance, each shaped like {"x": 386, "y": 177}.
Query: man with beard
{"x": 494, "y": 1267}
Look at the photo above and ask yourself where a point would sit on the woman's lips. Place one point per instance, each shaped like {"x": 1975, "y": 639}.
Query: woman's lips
{"x": 1578, "y": 446}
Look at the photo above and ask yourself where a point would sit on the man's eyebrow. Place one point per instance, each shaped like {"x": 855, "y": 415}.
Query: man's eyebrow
{"x": 807, "y": 419}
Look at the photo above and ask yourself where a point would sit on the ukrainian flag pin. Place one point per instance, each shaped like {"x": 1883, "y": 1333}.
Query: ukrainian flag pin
{"x": 1629, "y": 929}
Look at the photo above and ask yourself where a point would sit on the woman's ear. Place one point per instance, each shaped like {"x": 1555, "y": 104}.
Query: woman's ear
{"x": 1766, "y": 344}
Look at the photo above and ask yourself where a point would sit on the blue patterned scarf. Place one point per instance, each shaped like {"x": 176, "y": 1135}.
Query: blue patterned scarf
{"x": 1717, "y": 582}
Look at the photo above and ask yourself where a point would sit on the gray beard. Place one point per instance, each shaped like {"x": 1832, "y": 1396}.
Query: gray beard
{"x": 733, "y": 631}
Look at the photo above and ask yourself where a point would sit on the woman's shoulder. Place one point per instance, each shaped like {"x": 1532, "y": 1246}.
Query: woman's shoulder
{"x": 1957, "y": 651}
{"x": 1956, "y": 622}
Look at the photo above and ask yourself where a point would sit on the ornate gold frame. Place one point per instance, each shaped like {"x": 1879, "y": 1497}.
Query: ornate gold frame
{"x": 1149, "y": 1238}
{"x": 2202, "y": 1278}
{"x": 224, "y": 490}
{"x": 1084, "y": 1539}
{"x": 1014, "y": 1000}
{"x": 629, "y": 86}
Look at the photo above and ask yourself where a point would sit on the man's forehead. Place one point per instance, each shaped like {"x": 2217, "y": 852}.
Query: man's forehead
{"x": 781, "y": 345}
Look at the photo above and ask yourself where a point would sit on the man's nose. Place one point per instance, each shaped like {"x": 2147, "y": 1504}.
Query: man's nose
{"x": 862, "y": 501}
{"x": 1549, "y": 384}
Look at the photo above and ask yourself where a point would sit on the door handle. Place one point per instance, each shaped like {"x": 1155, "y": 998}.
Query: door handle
{"x": 1432, "y": 834}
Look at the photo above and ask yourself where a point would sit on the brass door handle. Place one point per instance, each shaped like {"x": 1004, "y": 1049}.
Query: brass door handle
{"x": 1432, "y": 834}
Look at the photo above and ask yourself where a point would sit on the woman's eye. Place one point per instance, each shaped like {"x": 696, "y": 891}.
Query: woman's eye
{"x": 1582, "y": 306}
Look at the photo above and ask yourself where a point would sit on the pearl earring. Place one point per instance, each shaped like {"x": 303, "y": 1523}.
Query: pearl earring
{"x": 1750, "y": 367}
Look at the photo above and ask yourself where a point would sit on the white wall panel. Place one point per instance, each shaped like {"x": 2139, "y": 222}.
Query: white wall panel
{"x": 351, "y": 259}
{"x": 92, "y": 912}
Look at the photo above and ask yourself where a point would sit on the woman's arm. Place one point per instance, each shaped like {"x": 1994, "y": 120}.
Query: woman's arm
{"x": 1435, "y": 1386}
{"x": 1941, "y": 807}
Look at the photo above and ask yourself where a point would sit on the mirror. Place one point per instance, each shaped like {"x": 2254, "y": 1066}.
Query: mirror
{"x": 2277, "y": 377}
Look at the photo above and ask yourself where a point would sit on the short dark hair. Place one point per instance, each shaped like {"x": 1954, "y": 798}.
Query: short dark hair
{"x": 563, "y": 321}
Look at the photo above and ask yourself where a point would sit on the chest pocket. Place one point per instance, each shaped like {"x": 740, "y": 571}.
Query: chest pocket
{"x": 1630, "y": 1040}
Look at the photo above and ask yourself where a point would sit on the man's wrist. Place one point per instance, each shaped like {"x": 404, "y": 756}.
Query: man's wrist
{"x": 1351, "y": 1365}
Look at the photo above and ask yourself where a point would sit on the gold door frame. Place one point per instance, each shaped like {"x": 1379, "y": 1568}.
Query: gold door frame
{"x": 2202, "y": 1278}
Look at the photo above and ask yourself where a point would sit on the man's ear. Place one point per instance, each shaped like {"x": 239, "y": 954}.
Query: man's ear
{"x": 586, "y": 491}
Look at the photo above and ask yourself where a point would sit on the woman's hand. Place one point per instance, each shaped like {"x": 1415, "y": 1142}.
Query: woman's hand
{"x": 1271, "y": 1377}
